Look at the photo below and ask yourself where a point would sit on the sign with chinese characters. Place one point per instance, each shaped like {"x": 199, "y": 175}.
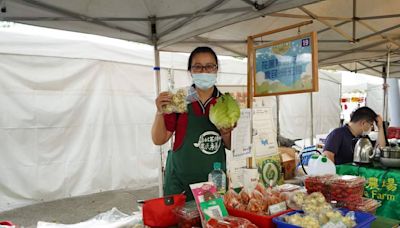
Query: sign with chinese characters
{"x": 384, "y": 189}
{"x": 286, "y": 66}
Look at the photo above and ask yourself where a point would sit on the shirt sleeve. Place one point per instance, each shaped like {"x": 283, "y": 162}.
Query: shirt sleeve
{"x": 333, "y": 141}
{"x": 170, "y": 121}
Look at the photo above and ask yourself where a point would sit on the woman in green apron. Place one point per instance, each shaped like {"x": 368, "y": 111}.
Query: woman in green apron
{"x": 197, "y": 142}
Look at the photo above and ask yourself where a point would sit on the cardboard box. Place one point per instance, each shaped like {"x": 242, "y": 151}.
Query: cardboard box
{"x": 288, "y": 160}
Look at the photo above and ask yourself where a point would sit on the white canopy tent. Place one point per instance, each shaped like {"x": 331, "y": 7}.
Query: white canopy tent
{"x": 351, "y": 36}
{"x": 76, "y": 121}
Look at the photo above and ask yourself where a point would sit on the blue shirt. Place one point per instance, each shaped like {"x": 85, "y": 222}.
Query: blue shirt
{"x": 341, "y": 142}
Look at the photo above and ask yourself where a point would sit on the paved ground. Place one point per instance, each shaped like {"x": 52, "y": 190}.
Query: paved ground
{"x": 78, "y": 209}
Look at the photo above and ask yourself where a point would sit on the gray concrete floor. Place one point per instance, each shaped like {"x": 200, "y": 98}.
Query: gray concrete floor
{"x": 78, "y": 209}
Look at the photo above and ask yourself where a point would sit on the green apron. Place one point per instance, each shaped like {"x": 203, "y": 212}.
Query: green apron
{"x": 191, "y": 163}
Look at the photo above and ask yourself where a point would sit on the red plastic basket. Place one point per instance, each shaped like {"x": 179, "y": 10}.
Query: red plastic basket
{"x": 259, "y": 220}
{"x": 7, "y": 223}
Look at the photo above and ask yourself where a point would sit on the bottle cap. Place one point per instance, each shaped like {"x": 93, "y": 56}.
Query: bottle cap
{"x": 217, "y": 165}
{"x": 324, "y": 159}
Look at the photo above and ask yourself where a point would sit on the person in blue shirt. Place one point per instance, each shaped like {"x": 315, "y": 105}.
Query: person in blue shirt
{"x": 339, "y": 144}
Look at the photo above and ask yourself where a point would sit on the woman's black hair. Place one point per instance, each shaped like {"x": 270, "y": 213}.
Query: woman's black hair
{"x": 201, "y": 50}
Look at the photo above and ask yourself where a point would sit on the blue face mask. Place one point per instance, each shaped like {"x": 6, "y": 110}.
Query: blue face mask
{"x": 204, "y": 81}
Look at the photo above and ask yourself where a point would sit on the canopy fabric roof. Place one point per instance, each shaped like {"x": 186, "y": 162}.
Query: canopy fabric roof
{"x": 353, "y": 35}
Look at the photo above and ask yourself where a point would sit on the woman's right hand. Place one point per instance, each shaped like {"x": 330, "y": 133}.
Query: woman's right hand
{"x": 163, "y": 98}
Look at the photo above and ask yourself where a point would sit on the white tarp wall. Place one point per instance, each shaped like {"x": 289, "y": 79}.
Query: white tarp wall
{"x": 374, "y": 98}
{"x": 295, "y": 110}
{"x": 75, "y": 119}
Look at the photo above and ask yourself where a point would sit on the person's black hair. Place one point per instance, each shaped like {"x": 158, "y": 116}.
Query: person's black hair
{"x": 363, "y": 113}
{"x": 198, "y": 50}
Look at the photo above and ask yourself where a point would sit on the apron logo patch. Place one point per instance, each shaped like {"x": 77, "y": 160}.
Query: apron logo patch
{"x": 209, "y": 142}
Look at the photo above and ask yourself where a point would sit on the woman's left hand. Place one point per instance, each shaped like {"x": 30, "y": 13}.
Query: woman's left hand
{"x": 227, "y": 131}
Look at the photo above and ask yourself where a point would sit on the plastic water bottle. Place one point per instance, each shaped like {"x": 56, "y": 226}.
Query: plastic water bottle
{"x": 218, "y": 177}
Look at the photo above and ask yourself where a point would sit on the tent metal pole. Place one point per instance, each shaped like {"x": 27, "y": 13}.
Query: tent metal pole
{"x": 379, "y": 17}
{"x": 378, "y": 32}
{"x": 341, "y": 65}
{"x": 158, "y": 89}
{"x": 354, "y": 19}
{"x": 340, "y": 103}
{"x": 367, "y": 67}
{"x": 336, "y": 25}
{"x": 157, "y": 81}
{"x": 328, "y": 24}
{"x": 385, "y": 75}
{"x": 80, "y": 17}
{"x": 365, "y": 24}
{"x": 351, "y": 51}
{"x": 278, "y": 130}
{"x": 157, "y": 69}
{"x": 312, "y": 119}
{"x": 189, "y": 19}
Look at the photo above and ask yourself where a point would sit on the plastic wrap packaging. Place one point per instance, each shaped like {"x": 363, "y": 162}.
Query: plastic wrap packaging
{"x": 288, "y": 188}
{"x": 317, "y": 212}
{"x": 244, "y": 196}
{"x": 230, "y": 222}
{"x": 178, "y": 103}
{"x": 366, "y": 205}
{"x": 255, "y": 206}
{"x": 347, "y": 189}
{"x": 231, "y": 199}
{"x": 319, "y": 184}
{"x": 323, "y": 219}
{"x": 295, "y": 200}
{"x": 254, "y": 202}
{"x": 188, "y": 215}
{"x": 109, "y": 219}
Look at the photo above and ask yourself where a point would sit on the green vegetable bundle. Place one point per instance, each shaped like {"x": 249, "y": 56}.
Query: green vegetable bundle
{"x": 225, "y": 113}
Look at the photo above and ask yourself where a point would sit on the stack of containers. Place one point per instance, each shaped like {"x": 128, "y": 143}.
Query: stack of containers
{"x": 366, "y": 205}
{"x": 319, "y": 184}
{"x": 345, "y": 190}
{"x": 188, "y": 215}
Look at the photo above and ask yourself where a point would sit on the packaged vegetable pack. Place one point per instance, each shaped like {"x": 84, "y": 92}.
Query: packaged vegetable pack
{"x": 178, "y": 103}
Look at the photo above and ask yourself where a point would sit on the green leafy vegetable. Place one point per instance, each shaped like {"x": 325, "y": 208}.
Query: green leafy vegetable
{"x": 225, "y": 113}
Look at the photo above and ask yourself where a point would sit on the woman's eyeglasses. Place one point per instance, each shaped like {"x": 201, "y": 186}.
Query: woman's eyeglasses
{"x": 197, "y": 68}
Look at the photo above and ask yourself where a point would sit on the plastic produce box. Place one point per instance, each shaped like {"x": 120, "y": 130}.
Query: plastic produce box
{"x": 259, "y": 220}
{"x": 319, "y": 184}
{"x": 347, "y": 189}
{"x": 188, "y": 215}
{"x": 363, "y": 219}
{"x": 366, "y": 205}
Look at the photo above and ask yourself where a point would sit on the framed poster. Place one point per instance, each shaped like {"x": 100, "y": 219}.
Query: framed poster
{"x": 286, "y": 66}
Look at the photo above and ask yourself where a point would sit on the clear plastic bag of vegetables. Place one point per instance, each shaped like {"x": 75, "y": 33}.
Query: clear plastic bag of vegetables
{"x": 178, "y": 102}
